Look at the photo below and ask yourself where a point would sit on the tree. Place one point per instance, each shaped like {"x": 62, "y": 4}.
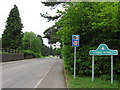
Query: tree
{"x": 96, "y": 23}
{"x": 52, "y": 5}
{"x": 12, "y": 35}
{"x": 51, "y": 35}
{"x": 32, "y": 42}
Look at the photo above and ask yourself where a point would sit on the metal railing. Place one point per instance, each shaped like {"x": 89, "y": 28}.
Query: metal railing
{"x": 7, "y": 50}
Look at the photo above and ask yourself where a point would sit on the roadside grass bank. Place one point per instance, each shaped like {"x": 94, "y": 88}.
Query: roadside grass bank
{"x": 86, "y": 82}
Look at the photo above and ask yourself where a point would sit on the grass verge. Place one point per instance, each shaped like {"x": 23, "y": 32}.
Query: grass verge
{"x": 86, "y": 82}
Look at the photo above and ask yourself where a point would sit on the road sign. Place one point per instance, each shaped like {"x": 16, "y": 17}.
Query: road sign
{"x": 103, "y": 50}
{"x": 75, "y": 40}
{"x": 75, "y": 43}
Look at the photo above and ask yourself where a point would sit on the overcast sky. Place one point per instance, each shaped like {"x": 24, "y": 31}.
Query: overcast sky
{"x": 30, "y": 15}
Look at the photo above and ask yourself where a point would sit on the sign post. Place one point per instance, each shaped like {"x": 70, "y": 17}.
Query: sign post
{"x": 92, "y": 67}
{"x": 75, "y": 43}
{"x": 111, "y": 68}
{"x": 103, "y": 50}
{"x": 74, "y": 62}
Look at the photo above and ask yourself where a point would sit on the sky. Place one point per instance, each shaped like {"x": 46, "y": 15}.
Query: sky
{"x": 29, "y": 13}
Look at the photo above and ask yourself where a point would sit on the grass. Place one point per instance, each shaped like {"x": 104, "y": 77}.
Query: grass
{"x": 86, "y": 82}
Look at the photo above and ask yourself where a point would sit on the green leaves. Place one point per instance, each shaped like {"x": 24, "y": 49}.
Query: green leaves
{"x": 51, "y": 35}
{"x": 96, "y": 23}
{"x": 12, "y": 35}
{"x": 32, "y": 42}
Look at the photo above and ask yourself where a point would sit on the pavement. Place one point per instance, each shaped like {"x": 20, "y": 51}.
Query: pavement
{"x": 33, "y": 73}
{"x": 55, "y": 77}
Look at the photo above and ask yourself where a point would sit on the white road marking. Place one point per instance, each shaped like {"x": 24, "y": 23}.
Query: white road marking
{"x": 44, "y": 76}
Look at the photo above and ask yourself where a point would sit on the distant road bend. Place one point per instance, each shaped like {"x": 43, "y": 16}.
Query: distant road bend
{"x": 33, "y": 73}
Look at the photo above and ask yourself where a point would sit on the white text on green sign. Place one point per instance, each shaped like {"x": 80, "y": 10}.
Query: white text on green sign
{"x": 103, "y": 50}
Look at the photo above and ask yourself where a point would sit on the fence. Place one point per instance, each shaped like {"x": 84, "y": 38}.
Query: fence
{"x": 7, "y": 50}
{"x": 12, "y": 54}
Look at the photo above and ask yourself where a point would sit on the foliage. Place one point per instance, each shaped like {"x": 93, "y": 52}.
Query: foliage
{"x": 47, "y": 51}
{"x": 32, "y": 42}
{"x": 51, "y": 35}
{"x": 4, "y": 52}
{"x": 52, "y": 4}
{"x": 50, "y": 18}
{"x": 29, "y": 52}
{"x": 11, "y": 37}
{"x": 96, "y": 23}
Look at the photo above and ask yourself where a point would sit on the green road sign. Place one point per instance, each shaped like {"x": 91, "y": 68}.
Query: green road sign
{"x": 103, "y": 50}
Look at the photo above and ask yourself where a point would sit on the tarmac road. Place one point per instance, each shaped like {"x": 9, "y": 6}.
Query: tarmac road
{"x": 33, "y": 73}
{"x": 55, "y": 78}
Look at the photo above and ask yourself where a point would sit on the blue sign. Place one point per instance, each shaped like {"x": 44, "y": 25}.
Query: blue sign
{"x": 75, "y": 40}
{"x": 103, "y": 50}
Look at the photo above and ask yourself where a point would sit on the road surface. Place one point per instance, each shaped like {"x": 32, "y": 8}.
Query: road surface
{"x": 55, "y": 78}
{"x": 33, "y": 73}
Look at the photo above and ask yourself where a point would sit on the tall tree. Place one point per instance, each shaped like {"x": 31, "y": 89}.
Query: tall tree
{"x": 51, "y": 35}
{"x": 52, "y": 5}
{"x": 12, "y": 35}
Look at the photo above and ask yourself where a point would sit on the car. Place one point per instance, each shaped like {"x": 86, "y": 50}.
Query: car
{"x": 50, "y": 56}
{"x": 55, "y": 56}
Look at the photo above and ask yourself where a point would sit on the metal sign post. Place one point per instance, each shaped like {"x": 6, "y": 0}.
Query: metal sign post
{"x": 74, "y": 62}
{"x": 112, "y": 69}
{"x": 75, "y": 43}
{"x": 103, "y": 50}
{"x": 92, "y": 67}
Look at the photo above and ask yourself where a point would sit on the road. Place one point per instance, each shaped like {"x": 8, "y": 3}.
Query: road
{"x": 29, "y": 73}
{"x": 55, "y": 78}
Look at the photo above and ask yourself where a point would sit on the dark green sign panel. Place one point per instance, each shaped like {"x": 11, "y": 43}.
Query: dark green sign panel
{"x": 103, "y": 50}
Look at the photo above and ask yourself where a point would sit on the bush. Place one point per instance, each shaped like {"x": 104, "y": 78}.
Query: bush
{"x": 33, "y": 54}
{"x": 96, "y": 25}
